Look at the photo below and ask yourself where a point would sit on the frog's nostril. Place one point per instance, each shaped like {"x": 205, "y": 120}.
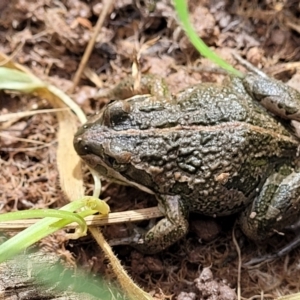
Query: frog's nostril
{"x": 81, "y": 146}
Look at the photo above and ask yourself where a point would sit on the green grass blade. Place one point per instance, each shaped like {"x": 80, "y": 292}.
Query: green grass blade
{"x": 182, "y": 11}
{"x": 11, "y": 79}
{"x": 59, "y": 219}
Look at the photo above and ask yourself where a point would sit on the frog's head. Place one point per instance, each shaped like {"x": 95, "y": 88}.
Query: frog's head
{"x": 107, "y": 144}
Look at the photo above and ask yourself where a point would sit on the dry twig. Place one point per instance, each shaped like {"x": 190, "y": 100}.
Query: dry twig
{"x": 90, "y": 46}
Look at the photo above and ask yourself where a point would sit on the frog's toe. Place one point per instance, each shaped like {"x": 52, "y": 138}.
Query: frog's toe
{"x": 122, "y": 241}
{"x": 134, "y": 239}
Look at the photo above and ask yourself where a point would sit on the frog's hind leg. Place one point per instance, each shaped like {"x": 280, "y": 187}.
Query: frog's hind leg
{"x": 148, "y": 84}
{"x": 276, "y": 207}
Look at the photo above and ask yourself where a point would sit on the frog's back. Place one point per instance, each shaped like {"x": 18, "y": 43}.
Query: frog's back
{"x": 215, "y": 169}
{"x": 211, "y": 104}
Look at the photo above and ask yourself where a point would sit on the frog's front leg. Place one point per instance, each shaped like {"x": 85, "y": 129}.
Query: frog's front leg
{"x": 277, "y": 206}
{"x": 166, "y": 232}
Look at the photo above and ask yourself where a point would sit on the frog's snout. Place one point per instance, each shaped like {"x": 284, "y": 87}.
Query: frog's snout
{"x": 81, "y": 147}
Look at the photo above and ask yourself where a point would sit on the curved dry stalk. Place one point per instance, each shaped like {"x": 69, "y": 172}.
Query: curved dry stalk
{"x": 98, "y": 220}
{"x": 132, "y": 290}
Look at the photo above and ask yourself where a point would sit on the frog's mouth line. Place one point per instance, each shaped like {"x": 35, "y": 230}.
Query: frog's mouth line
{"x": 96, "y": 163}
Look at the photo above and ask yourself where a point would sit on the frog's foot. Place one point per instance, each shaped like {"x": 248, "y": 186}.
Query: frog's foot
{"x": 277, "y": 206}
{"x": 277, "y": 97}
{"x": 135, "y": 238}
{"x": 165, "y": 233}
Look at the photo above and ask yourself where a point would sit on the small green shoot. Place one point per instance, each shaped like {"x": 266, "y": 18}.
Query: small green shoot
{"x": 16, "y": 80}
{"x": 53, "y": 221}
{"x": 182, "y": 11}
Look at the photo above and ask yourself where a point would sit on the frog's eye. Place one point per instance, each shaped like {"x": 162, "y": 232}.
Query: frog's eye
{"x": 116, "y": 113}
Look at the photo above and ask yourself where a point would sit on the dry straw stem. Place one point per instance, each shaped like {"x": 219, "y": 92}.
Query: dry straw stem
{"x": 238, "y": 250}
{"x": 290, "y": 297}
{"x": 23, "y": 114}
{"x": 132, "y": 290}
{"x": 99, "y": 220}
{"x": 106, "y": 8}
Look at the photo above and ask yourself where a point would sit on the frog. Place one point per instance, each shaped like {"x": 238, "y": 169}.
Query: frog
{"x": 214, "y": 149}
